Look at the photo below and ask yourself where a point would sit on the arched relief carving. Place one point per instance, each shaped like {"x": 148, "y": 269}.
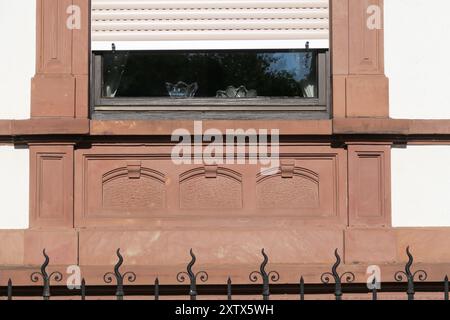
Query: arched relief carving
{"x": 134, "y": 186}
{"x": 287, "y": 187}
{"x": 211, "y": 187}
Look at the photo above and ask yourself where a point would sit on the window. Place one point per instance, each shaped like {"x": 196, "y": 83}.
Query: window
{"x": 224, "y": 58}
{"x": 153, "y": 80}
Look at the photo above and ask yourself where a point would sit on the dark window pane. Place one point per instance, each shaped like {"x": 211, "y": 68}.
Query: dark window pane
{"x": 209, "y": 74}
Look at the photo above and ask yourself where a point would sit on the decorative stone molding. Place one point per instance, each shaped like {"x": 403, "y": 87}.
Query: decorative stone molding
{"x": 211, "y": 171}
{"x": 60, "y": 86}
{"x": 134, "y": 169}
{"x": 360, "y": 88}
{"x": 222, "y": 189}
{"x": 287, "y": 169}
{"x": 51, "y": 186}
{"x": 291, "y": 188}
{"x": 313, "y": 190}
{"x": 369, "y": 185}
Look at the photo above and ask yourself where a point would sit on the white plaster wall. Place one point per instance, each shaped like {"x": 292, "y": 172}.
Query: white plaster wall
{"x": 14, "y": 187}
{"x": 17, "y": 57}
{"x": 421, "y": 186}
{"x": 17, "y": 66}
{"x": 417, "y": 43}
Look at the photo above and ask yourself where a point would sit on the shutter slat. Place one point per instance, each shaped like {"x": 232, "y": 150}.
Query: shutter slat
{"x": 205, "y": 4}
{"x": 208, "y": 14}
{"x": 208, "y": 35}
{"x": 194, "y": 25}
{"x": 209, "y": 20}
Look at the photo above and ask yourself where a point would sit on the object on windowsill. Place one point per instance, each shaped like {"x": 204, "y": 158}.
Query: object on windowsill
{"x": 114, "y": 74}
{"x": 236, "y": 93}
{"x": 308, "y": 88}
{"x": 182, "y": 89}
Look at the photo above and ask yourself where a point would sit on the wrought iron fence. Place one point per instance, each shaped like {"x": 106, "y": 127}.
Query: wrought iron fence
{"x": 333, "y": 282}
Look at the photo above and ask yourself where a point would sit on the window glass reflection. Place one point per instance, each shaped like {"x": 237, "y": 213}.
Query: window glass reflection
{"x": 211, "y": 74}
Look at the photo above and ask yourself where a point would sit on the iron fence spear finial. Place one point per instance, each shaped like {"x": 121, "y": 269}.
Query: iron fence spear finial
{"x": 327, "y": 276}
{"x": 10, "y": 289}
{"x": 108, "y": 277}
{"x": 202, "y": 275}
{"x": 302, "y": 288}
{"x": 229, "y": 289}
{"x": 266, "y": 277}
{"x": 410, "y": 277}
{"x": 57, "y": 276}
{"x": 446, "y": 286}
{"x": 156, "y": 293}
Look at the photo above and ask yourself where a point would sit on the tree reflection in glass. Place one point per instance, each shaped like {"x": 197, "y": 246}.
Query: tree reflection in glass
{"x": 265, "y": 73}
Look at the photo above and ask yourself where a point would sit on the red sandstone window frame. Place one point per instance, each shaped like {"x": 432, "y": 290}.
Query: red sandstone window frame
{"x": 316, "y": 108}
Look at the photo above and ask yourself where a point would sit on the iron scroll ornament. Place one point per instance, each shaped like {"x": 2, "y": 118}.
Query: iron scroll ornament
{"x": 56, "y": 275}
{"x": 273, "y": 276}
{"x": 108, "y": 277}
{"x": 410, "y": 277}
{"x": 326, "y": 277}
{"x": 202, "y": 275}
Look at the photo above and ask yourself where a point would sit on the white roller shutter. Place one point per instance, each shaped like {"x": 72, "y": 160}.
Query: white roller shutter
{"x": 209, "y": 24}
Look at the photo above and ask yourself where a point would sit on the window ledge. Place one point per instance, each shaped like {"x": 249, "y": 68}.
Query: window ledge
{"x": 50, "y": 126}
{"x": 5, "y": 127}
{"x": 386, "y": 126}
{"x": 166, "y": 127}
{"x": 323, "y": 127}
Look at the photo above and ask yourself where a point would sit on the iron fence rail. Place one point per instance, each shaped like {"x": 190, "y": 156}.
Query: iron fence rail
{"x": 310, "y": 290}
{"x": 120, "y": 284}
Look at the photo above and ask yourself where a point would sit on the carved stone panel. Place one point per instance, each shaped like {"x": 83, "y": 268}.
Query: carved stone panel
{"x": 204, "y": 188}
{"x": 369, "y": 185}
{"x": 51, "y": 186}
{"x": 301, "y": 190}
{"x": 141, "y": 186}
{"x": 137, "y": 190}
{"x": 121, "y": 187}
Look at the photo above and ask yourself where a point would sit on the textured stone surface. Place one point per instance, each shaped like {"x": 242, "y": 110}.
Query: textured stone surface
{"x": 61, "y": 247}
{"x": 213, "y": 246}
{"x": 368, "y": 246}
{"x": 11, "y": 247}
{"x": 428, "y": 245}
